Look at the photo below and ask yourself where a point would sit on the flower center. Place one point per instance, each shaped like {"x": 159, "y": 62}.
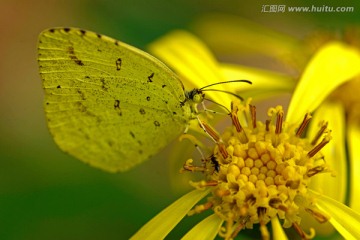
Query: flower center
{"x": 264, "y": 174}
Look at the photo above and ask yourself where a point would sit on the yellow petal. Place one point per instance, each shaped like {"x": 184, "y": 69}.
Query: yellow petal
{"x": 354, "y": 151}
{"x": 191, "y": 60}
{"x": 278, "y": 230}
{"x": 334, "y": 152}
{"x": 334, "y": 64}
{"x": 205, "y": 230}
{"x": 227, "y": 34}
{"x": 159, "y": 226}
{"x": 264, "y": 83}
{"x": 344, "y": 219}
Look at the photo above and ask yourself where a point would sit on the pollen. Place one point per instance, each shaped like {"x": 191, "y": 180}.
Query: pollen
{"x": 265, "y": 174}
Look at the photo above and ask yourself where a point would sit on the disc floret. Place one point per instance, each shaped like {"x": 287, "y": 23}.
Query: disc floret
{"x": 265, "y": 173}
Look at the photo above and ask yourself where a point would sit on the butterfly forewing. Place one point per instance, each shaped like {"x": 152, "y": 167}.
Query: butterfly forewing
{"x": 107, "y": 103}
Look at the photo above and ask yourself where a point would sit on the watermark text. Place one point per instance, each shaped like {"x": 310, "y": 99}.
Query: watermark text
{"x": 313, "y": 8}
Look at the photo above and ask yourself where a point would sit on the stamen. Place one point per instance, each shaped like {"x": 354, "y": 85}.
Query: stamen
{"x": 318, "y": 147}
{"x": 323, "y": 128}
{"x": 275, "y": 202}
{"x": 320, "y": 217}
{"x": 211, "y": 183}
{"x": 303, "y": 125}
{"x": 301, "y": 232}
{"x": 283, "y": 208}
{"x": 251, "y": 199}
{"x": 279, "y": 122}
{"x": 315, "y": 170}
{"x": 253, "y": 115}
{"x": 202, "y": 184}
{"x": 211, "y": 132}
{"x": 223, "y": 151}
{"x": 222, "y": 192}
{"x": 267, "y": 124}
{"x": 237, "y": 230}
{"x": 234, "y": 118}
{"x": 191, "y": 168}
{"x": 261, "y": 211}
{"x": 200, "y": 208}
{"x": 293, "y": 184}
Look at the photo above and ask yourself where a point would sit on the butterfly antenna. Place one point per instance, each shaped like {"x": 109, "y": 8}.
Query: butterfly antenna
{"x": 232, "y": 81}
{"x": 231, "y": 93}
{"x": 207, "y": 99}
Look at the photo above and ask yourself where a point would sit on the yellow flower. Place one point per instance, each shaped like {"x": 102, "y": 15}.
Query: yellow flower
{"x": 323, "y": 59}
{"x": 288, "y": 160}
{"x": 338, "y": 71}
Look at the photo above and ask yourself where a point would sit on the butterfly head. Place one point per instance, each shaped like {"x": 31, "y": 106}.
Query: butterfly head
{"x": 196, "y": 95}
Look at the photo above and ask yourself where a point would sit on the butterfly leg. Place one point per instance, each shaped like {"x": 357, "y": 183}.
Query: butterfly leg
{"x": 214, "y": 136}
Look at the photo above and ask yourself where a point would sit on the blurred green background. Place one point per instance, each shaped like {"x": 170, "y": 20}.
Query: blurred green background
{"x": 46, "y": 194}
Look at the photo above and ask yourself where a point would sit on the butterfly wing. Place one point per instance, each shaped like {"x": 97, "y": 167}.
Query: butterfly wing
{"x": 107, "y": 103}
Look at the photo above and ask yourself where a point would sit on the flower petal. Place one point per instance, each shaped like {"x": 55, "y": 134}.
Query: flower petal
{"x": 354, "y": 150}
{"x": 278, "y": 230}
{"x": 344, "y": 219}
{"x": 191, "y": 60}
{"x": 334, "y": 64}
{"x": 334, "y": 152}
{"x": 264, "y": 83}
{"x": 159, "y": 226}
{"x": 227, "y": 34}
{"x": 206, "y": 229}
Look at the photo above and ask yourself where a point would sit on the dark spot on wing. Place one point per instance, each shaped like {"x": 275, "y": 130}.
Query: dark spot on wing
{"x": 148, "y": 98}
{"x": 104, "y": 85}
{"x": 117, "y": 107}
{"x": 163, "y": 86}
{"x": 132, "y": 134}
{"x": 142, "y": 111}
{"x": 118, "y": 64}
{"x": 58, "y": 86}
{"x": 150, "y": 77}
{"x": 157, "y": 124}
{"x": 81, "y": 94}
{"x": 110, "y": 143}
{"x": 86, "y": 135}
{"x": 73, "y": 57}
{"x": 67, "y": 29}
{"x": 52, "y": 30}
{"x": 117, "y": 43}
{"x": 83, "y": 32}
{"x": 174, "y": 113}
{"x": 98, "y": 35}
{"x": 87, "y": 77}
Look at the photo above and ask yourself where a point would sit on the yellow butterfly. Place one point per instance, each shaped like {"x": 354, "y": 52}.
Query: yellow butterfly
{"x": 107, "y": 103}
